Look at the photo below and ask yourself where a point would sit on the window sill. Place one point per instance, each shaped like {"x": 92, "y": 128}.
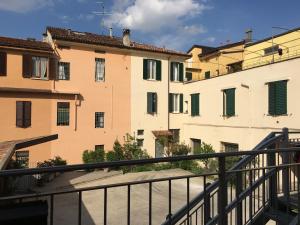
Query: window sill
{"x": 195, "y": 116}
{"x": 36, "y": 78}
{"x": 176, "y": 81}
{"x": 175, "y": 112}
{"x": 277, "y": 115}
{"x": 153, "y": 80}
{"x": 227, "y": 117}
{"x": 99, "y": 81}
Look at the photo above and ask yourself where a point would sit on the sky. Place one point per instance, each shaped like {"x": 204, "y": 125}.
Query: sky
{"x": 174, "y": 24}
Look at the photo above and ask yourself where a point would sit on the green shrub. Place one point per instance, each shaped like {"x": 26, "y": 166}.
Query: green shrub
{"x": 93, "y": 156}
{"x": 58, "y": 161}
{"x": 204, "y": 149}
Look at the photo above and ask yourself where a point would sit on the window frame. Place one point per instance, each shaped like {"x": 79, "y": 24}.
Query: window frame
{"x": 63, "y": 115}
{"x": 278, "y": 111}
{"x": 66, "y": 76}
{"x": 99, "y": 119}
{"x": 23, "y": 114}
{"x": 153, "y": 109}
{"x": 152, "y": 69}
{"x": 226, "y": 97}
{"x": 38, "y": 60}
{"x": 195, "y": 112}
{"x": 101, "y": 61}
{"x": 271, "y": 50}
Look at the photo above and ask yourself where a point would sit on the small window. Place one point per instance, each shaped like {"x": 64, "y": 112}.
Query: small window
{"x": 151, "y": 69}
{"x": 176, "y": 71}
{"x": 278, "y": 98}
{"x": 99, "y": 147}
{"x": 22, "y": 158}
{"x": 175, "y": 135}
{"x": 271, "y": 50}
{"x": 99, "y": 120}
{"x": 140, "y": 132}
{"x": 207, "y": 74}
{"x": 151, "y": 102}
{"x": 230, "y": 147}
{"x": 176, "y": 103}
{"x": 196, "y": 144}
{"x": 39, "y": 67}
{"x": 100, "y": 69}
{"x": 63, "y": 114}
{"x": 188, "y": 76}
{"x": 140, "y": 142}
{"x": 195, "y": 98}
{"x": 3, "y": 63}
{"x": 229, "y": 102}
{"x": 64, "y": 71}
{"x": 23, "y": 114}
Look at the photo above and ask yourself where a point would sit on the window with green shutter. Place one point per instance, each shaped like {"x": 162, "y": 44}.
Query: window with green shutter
{"x": 175, "y": 103}
{"x": 176, "y": 72}
{"x": 152, "y": 69}
{"x": 195, "y": 104}
{"x": 229, "y": 102}
{"x": 278, "y": 98}
{"x": 151, "y": 102}
{"x": 207, "y": 74}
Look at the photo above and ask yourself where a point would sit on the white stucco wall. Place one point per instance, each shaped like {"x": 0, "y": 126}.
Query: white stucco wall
{"x": 252, "y": 122}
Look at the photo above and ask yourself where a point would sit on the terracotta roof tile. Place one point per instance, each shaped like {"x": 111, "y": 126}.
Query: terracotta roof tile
{"x": 28, "y": 44}
{"x": 96, "y": 39}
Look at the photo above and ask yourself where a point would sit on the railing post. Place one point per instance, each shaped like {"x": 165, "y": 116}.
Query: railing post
{"x": 271, "y": 161}
{"x": 222, "y": 193}
{"x": 207, "y": 217}
{"x": 285, "y": 160}
{"x": 239, "y": 208}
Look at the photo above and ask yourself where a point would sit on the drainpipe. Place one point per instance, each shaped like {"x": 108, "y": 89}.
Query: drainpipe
{"x": 77, "y": 103}
{"x": 168, "y": 92}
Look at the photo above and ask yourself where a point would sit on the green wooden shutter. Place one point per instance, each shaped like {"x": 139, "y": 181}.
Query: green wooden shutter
{"x": 145, "y": 69}
{"x": 281, "y": 97}
{"x": 207, "y": 74}
{"x": 171, "y": 109}
{"x": 230, "y": 102}
{"x": 172, "y": 72}
{"x": 181, "y": 72}
{"x": 181, "y": 103}
{"x": 149, "y": 103}
{"x": 158, "y": 70}
{"x": 3, "y": 63}
{"x": 27, "y": 66}
{"x": 154, "y": 102}
{"x": 195, "y": 104}
{"x": 272, "y": 94}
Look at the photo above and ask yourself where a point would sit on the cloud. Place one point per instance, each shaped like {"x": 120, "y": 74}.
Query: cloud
{"x": 153, "y": 16}
{"x": 86, "y": 17}
{"x": 210, "y": 39}
{"x": 24, "y": 6}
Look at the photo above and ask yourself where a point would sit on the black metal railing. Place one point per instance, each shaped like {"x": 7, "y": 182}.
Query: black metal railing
{"x": 241, "y": 195}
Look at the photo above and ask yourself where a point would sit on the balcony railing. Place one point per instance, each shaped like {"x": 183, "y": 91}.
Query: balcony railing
{"x": 250, "y": 191}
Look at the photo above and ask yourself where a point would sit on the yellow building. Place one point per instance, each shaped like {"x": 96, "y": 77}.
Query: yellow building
{"x": 207, "y": 62}
{"x": 272, "y": 49}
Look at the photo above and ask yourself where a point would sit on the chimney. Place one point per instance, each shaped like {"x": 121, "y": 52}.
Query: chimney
{"x": 126, "y": 37}
{"x": 248, "y": 38}
{"x": 110, "y": 32}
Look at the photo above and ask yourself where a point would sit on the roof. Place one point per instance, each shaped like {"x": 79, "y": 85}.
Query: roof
{"x": 203, "y": 47}
{"x": 275, "y": 36}
{"x": 8, "y": 148}
{"x": 27, "y": 44}
{"x": 35, "y": 90}
{"x": 222, "y": 47}
{"x": 104, "y": 40}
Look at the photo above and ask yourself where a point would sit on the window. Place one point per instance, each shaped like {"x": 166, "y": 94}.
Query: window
{"x": 176, "y": 103}
{"x": 140, "y": 132}
{"x": 151, "y": 69}
{"x": 207, "y": 74}
{"x": 63, "y": 114}
{"x": 151, "y": 102}
{"x": 3, "y": 62}
{"x": 195, "y": 104}
{"x": 39, "y": 67}
{"x": 229, "y": 147}
{"x": 63, "y": 71}
{"x": 229, "y": 102}
{"x": 99, "y": 120}
{"x": 100, "y": 69}
{"x": 196, "y": 144}
{"x": 271, "y": 50}
{"x": 278, "y": 98}
{"x": 188, "y": 76}
{"x": 22, "y": 158}
{"x": 175, "y": 135}
{"x": 176, "y": 71}
{"x": 99, "y": 147}
{"x": 23, "y": 114}
{"x": 140, "y": 142}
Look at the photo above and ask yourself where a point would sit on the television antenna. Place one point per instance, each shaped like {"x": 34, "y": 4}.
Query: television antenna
{"x": 102, "y": 14}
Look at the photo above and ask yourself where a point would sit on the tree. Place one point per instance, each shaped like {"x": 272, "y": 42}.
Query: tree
{"x": 204, "y": 149}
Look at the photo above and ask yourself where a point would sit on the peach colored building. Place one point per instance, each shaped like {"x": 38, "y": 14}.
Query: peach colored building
{"x": 80, "y": 86}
